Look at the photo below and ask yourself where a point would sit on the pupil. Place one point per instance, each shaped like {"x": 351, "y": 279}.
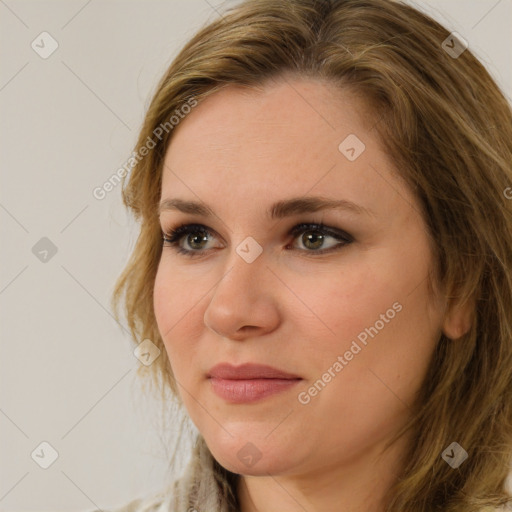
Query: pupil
{"x": 199, "y": 237}
{"x": 312, "y": 238}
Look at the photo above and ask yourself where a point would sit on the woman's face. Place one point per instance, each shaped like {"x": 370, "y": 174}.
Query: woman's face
{"x": 352, "y": 329}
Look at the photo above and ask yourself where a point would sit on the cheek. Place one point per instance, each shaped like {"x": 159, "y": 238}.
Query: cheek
{"x": 378, "y": 314}
{"x": 177, "y": 303}
{"x": 173, "y": 296}
{"x": 384, "y": 358}
{"x": 162, "y": 302}
{"x": 387, "y": 336}
{"x": 349, "y": 301}
{"x": 170, "y": 307}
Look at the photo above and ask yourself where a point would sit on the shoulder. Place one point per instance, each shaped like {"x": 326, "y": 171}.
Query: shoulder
{"x": 156, "y": 503}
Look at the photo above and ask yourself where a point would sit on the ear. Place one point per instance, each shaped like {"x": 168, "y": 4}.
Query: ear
{"x": 458, "y": 318}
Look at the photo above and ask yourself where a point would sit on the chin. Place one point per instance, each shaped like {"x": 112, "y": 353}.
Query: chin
{"x": 260, "y": 468}
{"x": 240, "y": 455}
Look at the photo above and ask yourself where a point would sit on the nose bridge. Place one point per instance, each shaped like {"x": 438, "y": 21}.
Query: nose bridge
{"x": 246, "y": 260}
{"x": 245, "y": 273}
{"x": 243, "y": 296}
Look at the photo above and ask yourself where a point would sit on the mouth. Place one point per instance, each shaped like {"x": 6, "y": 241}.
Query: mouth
{"x": 249, "y": 382}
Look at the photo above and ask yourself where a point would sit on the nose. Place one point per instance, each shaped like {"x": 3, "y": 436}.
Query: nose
{"x": 244, "y": 302}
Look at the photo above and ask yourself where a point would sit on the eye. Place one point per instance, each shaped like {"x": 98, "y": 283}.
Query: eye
{"x": 195, "y": 234}
{"x": 313, "y": 238}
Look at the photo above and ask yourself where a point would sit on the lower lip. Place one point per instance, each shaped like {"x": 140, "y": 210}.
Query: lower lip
{"x": 245, "y": 391}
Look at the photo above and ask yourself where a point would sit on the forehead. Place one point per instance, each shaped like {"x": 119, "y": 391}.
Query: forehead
{"x": 278, "y": 115}
{"x": 281, "y": 140}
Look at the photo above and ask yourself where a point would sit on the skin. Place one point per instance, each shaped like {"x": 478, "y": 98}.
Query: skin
{"x": 239, "y": 152}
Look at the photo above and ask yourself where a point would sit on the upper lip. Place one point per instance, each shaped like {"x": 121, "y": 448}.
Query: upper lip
{"x": 248, "y": 371}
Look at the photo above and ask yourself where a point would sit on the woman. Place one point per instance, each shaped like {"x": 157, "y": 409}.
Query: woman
{"x": 325, "y": 260}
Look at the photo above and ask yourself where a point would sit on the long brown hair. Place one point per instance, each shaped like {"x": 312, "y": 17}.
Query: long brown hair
{"x": 448, "y": 128}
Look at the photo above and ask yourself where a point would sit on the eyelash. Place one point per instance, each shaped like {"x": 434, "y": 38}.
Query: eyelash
{"x": 173, "y": 237}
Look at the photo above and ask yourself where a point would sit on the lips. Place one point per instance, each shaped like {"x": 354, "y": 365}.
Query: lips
{"x": 249, "y": 382}
{"x": 249, "y": 371}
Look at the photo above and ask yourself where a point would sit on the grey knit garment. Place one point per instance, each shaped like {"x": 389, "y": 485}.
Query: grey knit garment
{"x": 197, "y": 490}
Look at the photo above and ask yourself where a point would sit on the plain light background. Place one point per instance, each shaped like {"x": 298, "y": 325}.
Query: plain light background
{"x": 68, "y": 122}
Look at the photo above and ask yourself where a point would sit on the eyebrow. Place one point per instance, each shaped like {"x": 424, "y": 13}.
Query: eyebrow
{"x": 278, "y": 210}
